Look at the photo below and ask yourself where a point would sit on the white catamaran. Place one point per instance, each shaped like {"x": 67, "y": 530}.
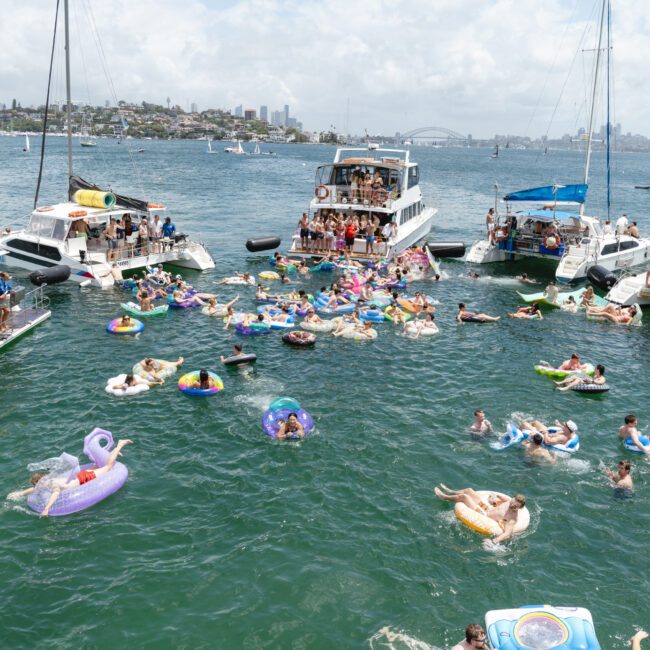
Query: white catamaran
{"x": 398, "y": 201}
{"x": 78, "y": 233}
{"x": 572, "y": 240}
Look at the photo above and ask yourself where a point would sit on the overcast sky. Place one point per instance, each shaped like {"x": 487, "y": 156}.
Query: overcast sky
{"x": 473, "y": 66}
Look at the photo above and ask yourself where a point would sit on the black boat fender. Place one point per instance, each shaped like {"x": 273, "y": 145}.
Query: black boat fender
{"x": 263, "y": 244}
{"x": 50, "y": 275}
{"x": 601, "y": 277}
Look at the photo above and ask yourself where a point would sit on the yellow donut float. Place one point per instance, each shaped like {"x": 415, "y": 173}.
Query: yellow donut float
{"x": 482, "y": 523}
{"x": 269, "y": 275}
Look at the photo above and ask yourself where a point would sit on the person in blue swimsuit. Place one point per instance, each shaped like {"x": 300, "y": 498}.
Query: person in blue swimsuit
{"x": 5, "y": 301}
{"x": 168, "y": 231}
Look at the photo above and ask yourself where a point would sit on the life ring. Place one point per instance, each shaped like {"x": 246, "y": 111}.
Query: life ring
{"x": 116, "y": 327}
{"x": 139, "y": 386}
{"x": 77, "y": 213}
{"x": 45, "y": 208}
{"x": 551, "y": 242}
{"x": 238, "y": 359}
{"x": 321, "y": 192}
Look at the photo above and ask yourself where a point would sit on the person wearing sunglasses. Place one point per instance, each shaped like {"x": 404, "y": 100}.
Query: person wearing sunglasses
{"x": 475, "y": 637}
{"x": 622, "y": 478}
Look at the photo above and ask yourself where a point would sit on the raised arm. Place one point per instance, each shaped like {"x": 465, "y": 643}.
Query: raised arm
{"x": 635, "y": 641}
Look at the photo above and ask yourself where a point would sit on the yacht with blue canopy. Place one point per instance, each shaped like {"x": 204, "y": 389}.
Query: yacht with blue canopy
{"x": 573, "y": 240}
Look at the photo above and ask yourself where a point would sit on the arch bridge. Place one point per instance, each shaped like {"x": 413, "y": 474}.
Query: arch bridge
{"x": 433, "y": 133}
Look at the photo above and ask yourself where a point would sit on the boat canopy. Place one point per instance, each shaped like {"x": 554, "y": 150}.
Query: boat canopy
{"x": 548, "y": 215}
{"x": 78, "y": 183}
{"x": 557, "y": 193}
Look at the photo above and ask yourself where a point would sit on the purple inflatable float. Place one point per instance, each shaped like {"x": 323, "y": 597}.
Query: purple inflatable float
{"x": 90, "y": 493}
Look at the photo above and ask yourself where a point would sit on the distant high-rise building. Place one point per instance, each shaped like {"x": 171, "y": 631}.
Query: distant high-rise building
{"x": 194, "y": 108}
{"x": 291, "y": 122}
{"x": 239, "y": 111}
{"x": 250, "y": 114}
{"x": 169, "y": 103}
{"x": 286, "y": 114}
{"x": 277, "y": 118}
{"x": 107, "y": 103}
{"x": 264, "y": 113}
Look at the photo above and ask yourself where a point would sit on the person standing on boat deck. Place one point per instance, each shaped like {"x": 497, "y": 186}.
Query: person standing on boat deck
{"x": 5, "y": 301}
{"x": 350, "y": 233}
{"x": 621, "y": 225}
{"x": 110, "y": 234}
{"x": 607, "y": 228}
{"x": 168, "y": 231}
{"x": 156, "y": 233}
{"x": 119, "y": 229}
{"x": 475, "y": 637}
{"x": 633, "y": 231}
{"x": 143, "y": 236}
{"x": 489, "y": 225}
{"x": 303, "y": 225}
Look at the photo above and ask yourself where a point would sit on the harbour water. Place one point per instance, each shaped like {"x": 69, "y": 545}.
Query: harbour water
{"x": 225, "y": 538}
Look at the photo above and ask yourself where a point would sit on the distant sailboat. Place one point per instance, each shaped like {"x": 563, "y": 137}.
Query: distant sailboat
{"x": 210, "y": 149}
{"x": 26, "y": 147}
{"x": 86, "y": 140}
{"x": 257, "y": 151}
{"x": 496, "y": 152}
{"x": 238, "y": 149}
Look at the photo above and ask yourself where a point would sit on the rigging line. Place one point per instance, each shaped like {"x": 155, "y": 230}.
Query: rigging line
{"x": 104, "y": 62}
{"x": 551, "y": 68}
{"x": 47, "y": 107}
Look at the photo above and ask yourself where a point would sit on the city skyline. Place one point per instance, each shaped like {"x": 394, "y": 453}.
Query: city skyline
{"x": 453, "y": 67}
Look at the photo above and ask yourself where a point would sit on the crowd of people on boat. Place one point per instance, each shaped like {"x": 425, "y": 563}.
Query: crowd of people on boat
{"x": 334, "y": 231}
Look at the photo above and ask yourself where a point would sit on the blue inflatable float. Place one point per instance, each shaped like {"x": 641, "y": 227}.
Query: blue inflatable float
{"x": 541, "y": 627}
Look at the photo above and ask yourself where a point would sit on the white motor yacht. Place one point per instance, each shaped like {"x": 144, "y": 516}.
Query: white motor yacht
{"x": 73, "y": 235}
{"x": 398, "y": 200}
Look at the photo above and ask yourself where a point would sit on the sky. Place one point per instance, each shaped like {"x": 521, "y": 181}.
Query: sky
{"x": 473, "y": 66}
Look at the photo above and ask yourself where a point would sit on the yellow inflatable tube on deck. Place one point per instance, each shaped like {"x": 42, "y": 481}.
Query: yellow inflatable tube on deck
{"x": 482, "y": 523}
{"x": 94, "y": 198}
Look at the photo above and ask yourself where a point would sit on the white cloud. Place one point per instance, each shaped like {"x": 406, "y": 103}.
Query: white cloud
{"x": 479, "y": 66}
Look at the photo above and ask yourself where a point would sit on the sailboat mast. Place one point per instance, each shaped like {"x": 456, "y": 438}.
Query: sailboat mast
{"x": 67, "y": 84}
{"x": 593, "y": 100}
{"x": 609, "y": 121}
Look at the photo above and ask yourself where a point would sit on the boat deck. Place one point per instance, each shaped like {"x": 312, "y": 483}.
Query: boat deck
{"x": 355, "y": 255}
{"x": 23, "y": 321}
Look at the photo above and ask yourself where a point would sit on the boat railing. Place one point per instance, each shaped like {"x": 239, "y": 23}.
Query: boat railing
{"x": 356, "y": 197}
{"x": 33, "y": 304}
{"x": 165, "y": 248}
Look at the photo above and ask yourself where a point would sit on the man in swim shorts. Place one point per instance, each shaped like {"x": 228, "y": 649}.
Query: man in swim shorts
{"x": 535, "y": 451}
{"x": 58, "y": 485}
{"x": 475, "y": 637}
{"x": 629, "y": 430}
{"x": 481, "y": 425}
{"x": 504, "y": 511}
{"x": 557, "y": 434}
{"x": 622, "y": 478}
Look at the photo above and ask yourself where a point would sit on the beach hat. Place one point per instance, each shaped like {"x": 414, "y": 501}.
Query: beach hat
{"x": 571, "y": 426}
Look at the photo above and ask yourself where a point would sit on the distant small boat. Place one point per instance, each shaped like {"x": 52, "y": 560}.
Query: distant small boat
{"x": 642, "y": 187}
{"x": 139, "y": 150}
{"x": 256, "y": 151}
{"x": 237, "y": 150}
{"x": 26, "y": 147}
{"x": 210, "y": 149}
{"x": 496, "y": 152}
{"x": 86, "y": 140}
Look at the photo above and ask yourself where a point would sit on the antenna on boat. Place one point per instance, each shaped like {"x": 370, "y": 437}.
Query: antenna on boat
{"x": 593, "y": 100}
{"x": 67, "y": 84}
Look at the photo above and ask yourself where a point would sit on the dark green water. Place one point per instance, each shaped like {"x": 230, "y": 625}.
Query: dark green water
{"x": 225, "y": 538}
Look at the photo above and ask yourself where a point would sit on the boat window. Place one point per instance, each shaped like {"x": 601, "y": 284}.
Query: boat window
{"x": 627, "y": 245}
{"x": 43, "y": 225}
{"x": 414, "y": 176}
{"x": 609, "y": 249}
{"x": 324, "y": 175}
{"x": 50, "y": 252}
